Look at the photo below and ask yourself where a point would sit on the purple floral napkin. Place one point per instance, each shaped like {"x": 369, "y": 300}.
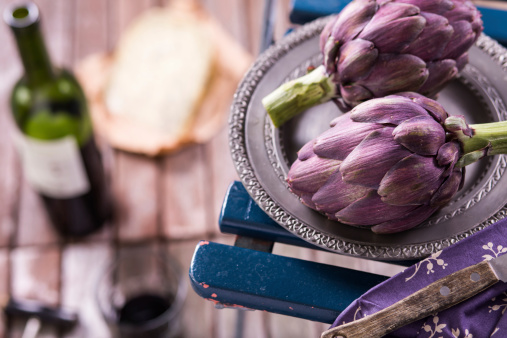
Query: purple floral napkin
{"x": 478, "y": 317}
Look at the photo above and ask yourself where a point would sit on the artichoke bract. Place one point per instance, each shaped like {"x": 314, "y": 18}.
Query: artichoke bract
{"x": 374, "y": 48}
{"x": 391, "y": 162}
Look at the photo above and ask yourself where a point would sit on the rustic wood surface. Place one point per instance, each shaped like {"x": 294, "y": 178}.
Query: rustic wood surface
{"x": 176, "y": 198}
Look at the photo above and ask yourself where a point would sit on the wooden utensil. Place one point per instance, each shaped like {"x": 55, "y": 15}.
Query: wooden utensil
{"x": 439, "y": 295}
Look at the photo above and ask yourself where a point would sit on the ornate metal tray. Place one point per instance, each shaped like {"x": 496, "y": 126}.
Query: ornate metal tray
{"x": 262, "y": 154}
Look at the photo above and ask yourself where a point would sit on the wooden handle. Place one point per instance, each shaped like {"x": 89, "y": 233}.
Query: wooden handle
{"x": 437, "y": 296}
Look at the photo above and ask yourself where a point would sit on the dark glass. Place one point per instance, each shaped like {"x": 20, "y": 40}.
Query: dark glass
{"x": 48, "y": 104}
{"x": 81, "y": 215}
{"x": 142, "y": 293}
{"x": 143, "y": 308}
{"x": 141, "y": 316}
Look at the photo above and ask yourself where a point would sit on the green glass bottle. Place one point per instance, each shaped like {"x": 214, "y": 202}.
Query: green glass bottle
{"x": 56, "y": 144}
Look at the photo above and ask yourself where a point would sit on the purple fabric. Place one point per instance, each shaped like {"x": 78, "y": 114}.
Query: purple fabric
{"x": 477, "y": 317}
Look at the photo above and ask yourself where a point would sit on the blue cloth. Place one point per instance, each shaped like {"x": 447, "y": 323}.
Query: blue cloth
{"x": 477, "y": 317}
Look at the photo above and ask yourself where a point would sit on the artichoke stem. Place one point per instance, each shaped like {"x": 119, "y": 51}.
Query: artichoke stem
{"x": 293, "y": 97}
{"x": 487, "y": 139}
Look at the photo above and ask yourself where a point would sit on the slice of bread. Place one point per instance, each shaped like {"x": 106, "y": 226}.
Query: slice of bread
{"x": 193, "y": 115}
{"x": 160, "y": 72}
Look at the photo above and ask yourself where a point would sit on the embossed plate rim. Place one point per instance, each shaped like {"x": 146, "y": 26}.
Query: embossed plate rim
{"x": 249, "y": 179}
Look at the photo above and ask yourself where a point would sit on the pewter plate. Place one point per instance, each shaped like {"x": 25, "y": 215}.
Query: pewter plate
{"x": 262, "y": 154}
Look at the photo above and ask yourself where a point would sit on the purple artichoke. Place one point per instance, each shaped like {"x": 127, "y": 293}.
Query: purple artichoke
{"x": 390, "y": 162}
{"x": 374, "y": 48}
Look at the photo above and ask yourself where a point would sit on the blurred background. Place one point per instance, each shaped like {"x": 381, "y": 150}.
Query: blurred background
{"x": 168, "y": 196}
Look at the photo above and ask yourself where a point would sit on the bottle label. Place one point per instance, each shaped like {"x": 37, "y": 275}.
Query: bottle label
{"x": 54, "y": 168}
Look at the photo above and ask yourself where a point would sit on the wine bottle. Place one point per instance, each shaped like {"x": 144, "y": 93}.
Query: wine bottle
{"x": 56, "y": 144}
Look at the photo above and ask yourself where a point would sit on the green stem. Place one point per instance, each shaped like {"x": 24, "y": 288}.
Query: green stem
{"x": 293, "y": 97}
{"x": 487, "y": 139}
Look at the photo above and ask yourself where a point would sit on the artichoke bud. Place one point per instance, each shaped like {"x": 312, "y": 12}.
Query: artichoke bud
{"x": 391, "y": 162}
{"x": 386, "y": 165}
{"x": 375, "y": 48}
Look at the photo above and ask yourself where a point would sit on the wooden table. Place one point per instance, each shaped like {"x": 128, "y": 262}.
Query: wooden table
{"x": 173, "y": 199}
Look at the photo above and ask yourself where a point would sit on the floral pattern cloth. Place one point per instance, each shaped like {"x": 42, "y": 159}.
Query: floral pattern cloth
{"x": 481, "y": 316}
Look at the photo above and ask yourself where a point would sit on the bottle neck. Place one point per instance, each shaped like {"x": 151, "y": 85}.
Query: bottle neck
{"x": 24, "y": 22}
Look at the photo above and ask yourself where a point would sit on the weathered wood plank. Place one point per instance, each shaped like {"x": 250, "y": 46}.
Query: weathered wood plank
{"x": 4, "y": 285}
{"x": 36, "y": 276}
{"x": 90, "y": 35}
{"x": 246, "y": 30}
{"x": 282, "y": 18}
{"x": 255, "y": 325}
{"x": 234, "y": 16}
{"x": 58, "y": 29}
{"x": 254, "y": 18}
{"x": 36, "y": 273}
{"x": 9, "y": 184}
{"x": 136, "y": 177}
{"x": 230, "y": 323}
{"x": 90, "y": 27}
{"x": 10, "y": 68}
{"x": 185, "y": 193}
{"x": 136, "y": 197}
{"x": 287, "y": 327}
{"x": 227, "y": 322}
{"x": 356, "y": 263}
{"x": 82, "y": 266}
{"x": 195, "y": 306}
{"x": 222, "y": 173}
{"x": 231, "y": 14}
{"x": 34, "y": 226}
{"x": 120, "y": 15}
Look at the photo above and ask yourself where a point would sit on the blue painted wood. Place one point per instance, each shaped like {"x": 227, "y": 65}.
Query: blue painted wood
{"x": 304, "y": 11}
{"x": 495, "y": 23}
{"x": 240, "y": 215}
{"x": 238, "y": 277}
